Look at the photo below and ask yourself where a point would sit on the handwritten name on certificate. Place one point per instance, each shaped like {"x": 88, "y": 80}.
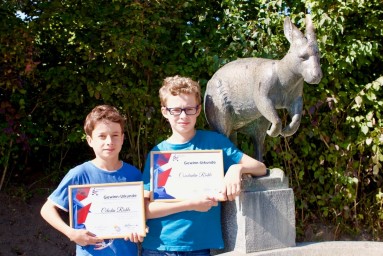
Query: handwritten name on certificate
{"x": 178, "y": 175}
{"x": 110, "y": 210}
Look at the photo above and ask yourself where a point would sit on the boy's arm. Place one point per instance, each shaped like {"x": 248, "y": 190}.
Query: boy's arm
{"x": 80, "y": 236}
{"x": 252, "y": 166}
{"x": 160, "y": 209}
{"x": 233, "y": 176}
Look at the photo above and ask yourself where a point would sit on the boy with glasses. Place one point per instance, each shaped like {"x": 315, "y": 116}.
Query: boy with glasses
{"x": 191, "y": 227}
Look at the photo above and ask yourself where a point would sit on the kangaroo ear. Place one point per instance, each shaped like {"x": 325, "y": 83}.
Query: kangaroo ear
{"x": 310, "y": 31}
{"x": 291, "y": 31}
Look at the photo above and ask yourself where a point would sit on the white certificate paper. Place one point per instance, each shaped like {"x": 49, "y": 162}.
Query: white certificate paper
{"x": 110, "y": 210}
{"x": 178, "y": 175}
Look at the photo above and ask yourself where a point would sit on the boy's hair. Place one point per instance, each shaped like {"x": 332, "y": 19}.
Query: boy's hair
{"x": 103, "y": 113}
{"x": 177, "y": 85}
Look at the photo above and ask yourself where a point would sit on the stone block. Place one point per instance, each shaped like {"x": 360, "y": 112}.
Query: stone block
{"x": 262, "y": 217}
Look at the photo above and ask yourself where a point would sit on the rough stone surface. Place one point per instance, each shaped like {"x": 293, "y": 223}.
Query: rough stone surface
{"x": 276, "y": 180}
{"x": 262, "y": 217}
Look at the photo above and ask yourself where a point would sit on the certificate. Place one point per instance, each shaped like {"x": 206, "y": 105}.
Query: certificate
{"x": 178, "y": 175}
{"x": 111, "y": 210}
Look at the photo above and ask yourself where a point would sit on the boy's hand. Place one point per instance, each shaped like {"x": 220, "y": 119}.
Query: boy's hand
{"x": 232, "y": 183}
{"x": 135, "y": 238}
{"x": 84, "y": 237}
{"x": 203, "y": 204}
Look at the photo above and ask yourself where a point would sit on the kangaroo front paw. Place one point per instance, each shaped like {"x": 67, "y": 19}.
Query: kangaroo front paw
{"x": 288, "y": 131}
{"x": 291, "y": 128}
{"x": 275, "y": 130}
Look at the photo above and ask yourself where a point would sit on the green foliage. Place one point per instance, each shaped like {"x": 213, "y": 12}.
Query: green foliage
{"x": 68, "y": 56}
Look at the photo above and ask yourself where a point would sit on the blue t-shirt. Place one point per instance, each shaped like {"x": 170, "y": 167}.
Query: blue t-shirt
{"x": 88, "y": 173}
{"x": 190, "y": 230}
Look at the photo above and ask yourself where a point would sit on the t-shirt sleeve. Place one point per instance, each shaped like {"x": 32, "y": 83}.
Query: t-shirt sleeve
{"x": 231, "y": 154}
{"x": 60, "y": 195}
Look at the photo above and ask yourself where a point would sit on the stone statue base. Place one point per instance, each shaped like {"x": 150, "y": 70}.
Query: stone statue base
{"x": 262, "y": 217}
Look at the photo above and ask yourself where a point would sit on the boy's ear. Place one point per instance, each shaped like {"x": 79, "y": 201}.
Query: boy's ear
{"x": 89, "y": 140}
{"x": 164, "y": 112}
{"x": 199, "y": 109}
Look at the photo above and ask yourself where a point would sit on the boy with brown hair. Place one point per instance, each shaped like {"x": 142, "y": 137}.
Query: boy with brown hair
{"x": 104, "y": 128}
{"x": 191, "y": 227}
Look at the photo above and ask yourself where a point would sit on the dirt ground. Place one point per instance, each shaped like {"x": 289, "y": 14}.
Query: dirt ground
{"x": 24, "y": 232}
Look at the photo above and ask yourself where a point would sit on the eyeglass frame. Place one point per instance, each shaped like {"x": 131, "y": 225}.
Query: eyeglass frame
{"x": 183, "y": 110}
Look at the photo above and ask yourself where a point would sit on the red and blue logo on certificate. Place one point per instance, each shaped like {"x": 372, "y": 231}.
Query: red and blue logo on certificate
{"x": 81, "y": 207}
{"x": 162, "y": 170}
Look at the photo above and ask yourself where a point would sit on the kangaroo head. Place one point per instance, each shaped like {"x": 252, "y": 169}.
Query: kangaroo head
{"x": 303, "y": 56}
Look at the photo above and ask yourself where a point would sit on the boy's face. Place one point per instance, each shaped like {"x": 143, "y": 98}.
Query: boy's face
{"x": 106, "y": 140}
{"x": 182, "y": 124}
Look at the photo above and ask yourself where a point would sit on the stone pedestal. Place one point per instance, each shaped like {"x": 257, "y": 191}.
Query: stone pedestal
{"x": 262, "y": 217}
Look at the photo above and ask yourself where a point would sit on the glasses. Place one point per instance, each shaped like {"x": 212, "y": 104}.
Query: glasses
{"x": 188, "y": 111}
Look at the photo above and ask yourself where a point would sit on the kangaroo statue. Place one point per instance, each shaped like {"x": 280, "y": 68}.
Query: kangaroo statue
{"x": 244, "y": 95}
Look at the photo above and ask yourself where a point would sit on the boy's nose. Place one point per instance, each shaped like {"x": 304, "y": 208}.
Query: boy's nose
{"x": 183, "y": 113}
{"x": 108, "y": 139}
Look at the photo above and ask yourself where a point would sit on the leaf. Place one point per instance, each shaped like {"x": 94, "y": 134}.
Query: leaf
{"x": 364, "y": 129}
{"x": 358, "y": 100}
{"x": 375, "y": 170}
